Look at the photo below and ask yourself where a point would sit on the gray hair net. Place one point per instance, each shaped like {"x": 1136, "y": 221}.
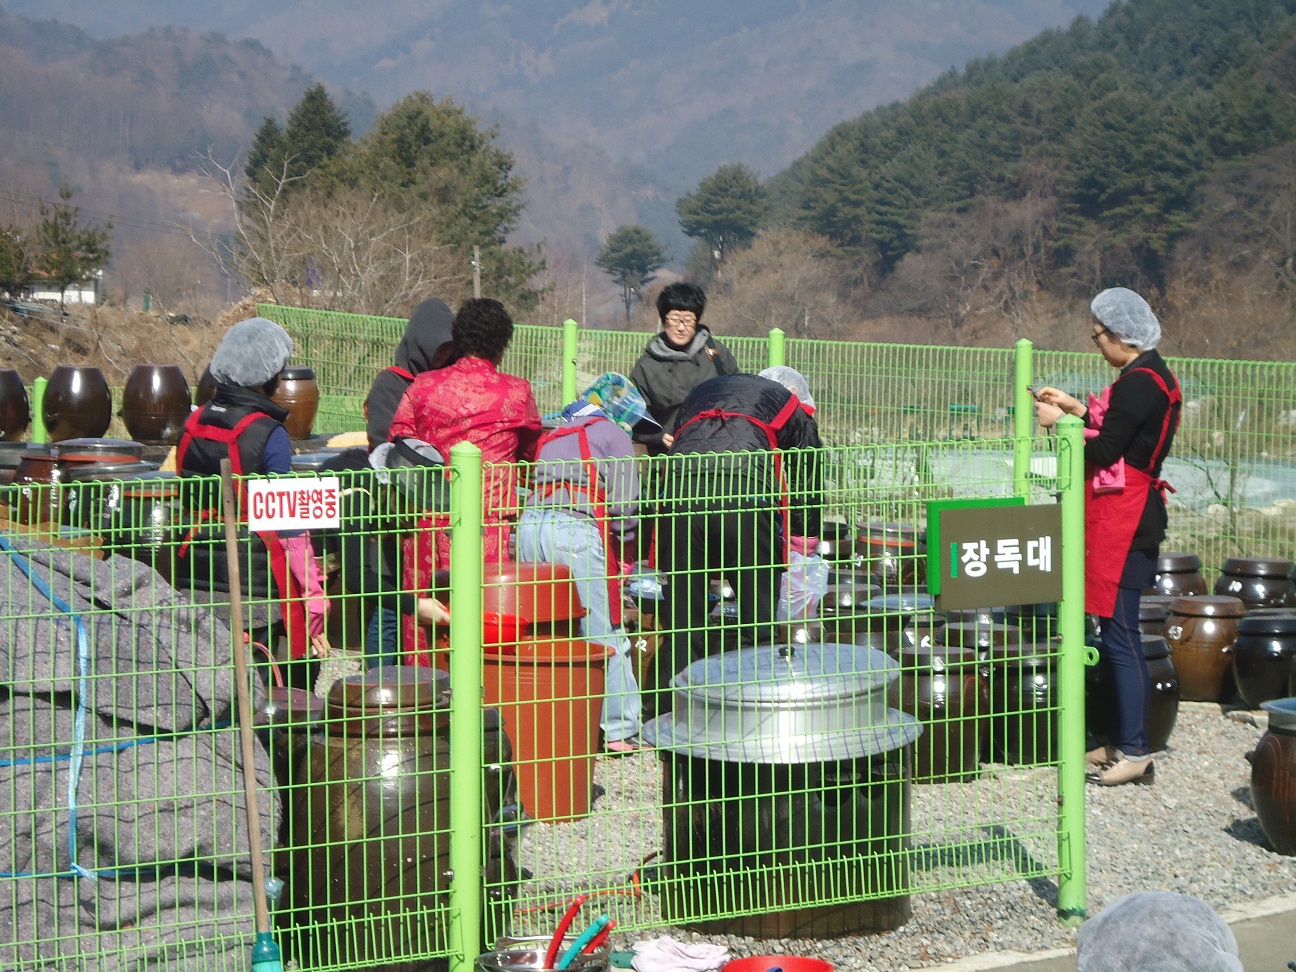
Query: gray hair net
{"x": 1157, "y": 931}
{"x": 251, "y": 353}
{"x": 1128, "y": 316}
{"x": 792, "y": 380}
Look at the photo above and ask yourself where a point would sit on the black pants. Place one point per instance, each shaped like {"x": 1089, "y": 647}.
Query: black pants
{"x": 695, "y": 543}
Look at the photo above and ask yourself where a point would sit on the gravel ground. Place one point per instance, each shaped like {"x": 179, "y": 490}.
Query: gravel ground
{"x": 1193, "y": 831}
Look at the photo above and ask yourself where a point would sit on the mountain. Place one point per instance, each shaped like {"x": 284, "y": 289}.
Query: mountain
{"x": 676, "y": 86}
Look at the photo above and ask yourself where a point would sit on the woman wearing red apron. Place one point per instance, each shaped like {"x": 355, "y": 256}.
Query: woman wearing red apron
{"x": 1125, "y": 510}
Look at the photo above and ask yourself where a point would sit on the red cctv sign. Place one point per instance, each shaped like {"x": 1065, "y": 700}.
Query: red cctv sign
{"x": 285, "y": 504}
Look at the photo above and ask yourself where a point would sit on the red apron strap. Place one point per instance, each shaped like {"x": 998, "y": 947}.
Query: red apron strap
{"x": 594, "y": 493}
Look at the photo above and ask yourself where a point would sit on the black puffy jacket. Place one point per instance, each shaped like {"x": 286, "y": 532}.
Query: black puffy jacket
{"x": 665, "y": 374}
{"x": 733, "y": 451}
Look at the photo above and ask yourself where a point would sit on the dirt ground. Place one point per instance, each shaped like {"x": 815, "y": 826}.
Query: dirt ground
{"x": 110, "y": 338}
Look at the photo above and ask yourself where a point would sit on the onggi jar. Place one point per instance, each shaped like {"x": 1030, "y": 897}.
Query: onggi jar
{"x": 1200, "y": 631}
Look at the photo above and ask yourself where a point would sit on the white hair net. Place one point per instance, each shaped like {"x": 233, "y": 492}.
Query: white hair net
{"x": 1157, "y": 931}
{"x": 1128, "y": 316}
{"x": 251, "y": 353}
{"x": 792, "y": 380}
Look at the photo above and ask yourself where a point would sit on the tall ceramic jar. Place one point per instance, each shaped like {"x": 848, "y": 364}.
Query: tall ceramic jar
{"x": 1200, "y": 631}
{"x": 299, "y": 393}
{"x": 1179, "y": 575}
{"x": 1262, "y": 656}
{"x": 1258, "y": 582}
{"x": 155, "y": 403}
{"x": 15, "y": 411}
{"x": 1163, "y": 703}
{"x": 1153, "y": 609}
{"x": 1273, "y": 776}
{"x": 371, "y": 822}
{"x": 77, "y": 403}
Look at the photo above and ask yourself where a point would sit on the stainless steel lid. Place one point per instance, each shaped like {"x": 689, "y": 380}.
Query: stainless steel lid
{"x": 785, "y": 704}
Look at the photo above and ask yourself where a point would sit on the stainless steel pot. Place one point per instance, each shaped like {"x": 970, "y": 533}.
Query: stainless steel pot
{"x": 785, "y": 704}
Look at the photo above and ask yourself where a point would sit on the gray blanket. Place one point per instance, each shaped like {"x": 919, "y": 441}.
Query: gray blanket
{"x": 157, "y": 874}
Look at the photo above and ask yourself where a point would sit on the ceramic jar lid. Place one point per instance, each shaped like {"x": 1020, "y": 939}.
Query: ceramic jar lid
{"x": 1173, "y": 562}
{"x": 1282, "y": 622}
{"x": 785, "y": 704}
{"x": 1282, "y": 714}
{"x": 1256, "y": 567}
{"x": 105, "y": 447}
{"x": 936, "y": 658}
{"x": 297, "y": 373}
{"x": 1154, "y": 647}
{"x": 1208, "y": 606}
{"x": 1154, "y": 607}
{"x": 311, "y": 461}
{"x": 847, "y": 599}
{"x": 976, "y": 635}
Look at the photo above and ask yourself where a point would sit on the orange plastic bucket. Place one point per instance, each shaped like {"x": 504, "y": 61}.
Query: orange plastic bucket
{"x": 550, "y": 694}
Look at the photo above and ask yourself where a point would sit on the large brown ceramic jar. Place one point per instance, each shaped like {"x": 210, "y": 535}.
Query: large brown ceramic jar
{"x": 1179, "y": 575}
{"x": 1258, "y": 582}
{"x": 1200, "y": 631}
{"x": 1262, "y": 656}
{"x": 15, "y": 411}
{"x": 155, "y": 403}
{"x": 77, "y": 403}
{"x": 35, "y": 488}
{"x": 371, "y": 821}
{"x": 93, "y": 489}
{"x": 941, "y": 686}
{"x": 299, "y": 393}
{"x": 1273, "y": 776}
{"x": 13, "y": 453}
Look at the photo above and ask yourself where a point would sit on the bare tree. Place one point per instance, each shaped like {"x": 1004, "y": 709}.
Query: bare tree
{"x": 788, "y": 279}
{"x": 347, "y": 249}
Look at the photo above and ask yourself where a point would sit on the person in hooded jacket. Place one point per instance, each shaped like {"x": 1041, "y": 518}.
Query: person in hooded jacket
{"x": 242, "y": 424}
{"x": 744, "y": 487}
{"x": 678, "y": 359}
{"x": 426, "y": 346}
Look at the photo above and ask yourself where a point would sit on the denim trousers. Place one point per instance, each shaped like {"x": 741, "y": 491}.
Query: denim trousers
{"x": 561, "y": 537}
{"x": 1121, "y": 653}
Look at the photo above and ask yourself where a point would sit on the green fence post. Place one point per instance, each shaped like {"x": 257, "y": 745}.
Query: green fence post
{"x": 39, "y": 433}
{"x": 1023, "y": 415}
{"x": 1071, "y": 674}
{"x": 465, "y": 825}
{"x": 777, "y": 347}
{"x": 571, "y": 331}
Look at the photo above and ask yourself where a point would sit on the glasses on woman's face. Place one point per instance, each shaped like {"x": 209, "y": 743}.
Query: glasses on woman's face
{"x": 681, "y": 320}
{"x": 1098, "y": 334}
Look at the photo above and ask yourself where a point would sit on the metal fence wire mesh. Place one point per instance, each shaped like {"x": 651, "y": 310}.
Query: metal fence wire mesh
{"x": 124, "y": 824}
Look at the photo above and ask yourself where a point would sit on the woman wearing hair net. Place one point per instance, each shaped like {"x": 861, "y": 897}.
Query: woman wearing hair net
{"x": 242, "y": 424}
{"x": 1129, "y": 429}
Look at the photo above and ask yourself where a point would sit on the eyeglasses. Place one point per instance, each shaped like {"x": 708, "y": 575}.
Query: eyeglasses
{"x": 1097, "y": 334}
{"x": 684, "y": 320}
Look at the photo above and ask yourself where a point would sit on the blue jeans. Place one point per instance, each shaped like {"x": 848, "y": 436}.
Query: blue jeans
{"x": 1122, "y": 654}
{"x": 382, "y": 638}
{"x": 559, "y": 537}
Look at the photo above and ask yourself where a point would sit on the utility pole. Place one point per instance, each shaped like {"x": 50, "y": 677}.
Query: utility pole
{"x": 476, "y": 265}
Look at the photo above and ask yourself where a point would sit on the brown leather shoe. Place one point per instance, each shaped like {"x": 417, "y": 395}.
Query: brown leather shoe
{"x": 1101, "y": 756}
{"x": 1122, "y": 771}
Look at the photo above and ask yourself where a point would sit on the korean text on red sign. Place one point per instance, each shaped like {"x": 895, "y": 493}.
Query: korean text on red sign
{"x": 293, "y": 504}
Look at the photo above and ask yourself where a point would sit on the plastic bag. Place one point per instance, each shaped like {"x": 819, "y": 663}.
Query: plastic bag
{"x": 804, "y": 585}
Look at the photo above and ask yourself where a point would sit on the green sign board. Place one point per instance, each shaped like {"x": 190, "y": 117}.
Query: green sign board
{"x": 994, "y": 551}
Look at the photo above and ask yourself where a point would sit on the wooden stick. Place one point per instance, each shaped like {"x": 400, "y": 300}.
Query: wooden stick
{"x": 243, "y": 687}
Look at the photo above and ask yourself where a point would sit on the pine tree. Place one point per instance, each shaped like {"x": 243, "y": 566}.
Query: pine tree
{"x": 726, "y": 210}
{"x": 69, "y": 253}
{"x": 315, "y": 134}
{"x": 631, "y": 256}
{"x": 265, "y": 161}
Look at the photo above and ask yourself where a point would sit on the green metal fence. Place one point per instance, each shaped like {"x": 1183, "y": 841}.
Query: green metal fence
{"x": 401, "y": 835}
{"x": 1232, "y": 464}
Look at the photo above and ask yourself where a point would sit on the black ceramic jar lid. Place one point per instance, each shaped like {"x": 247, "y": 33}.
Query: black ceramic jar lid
{"x": 972, "y": 634}
{"x": 1269, "y": 623}
{"x": 1154, "y": 607}
{"x": 1154, "y": 647}
{"x": 391, "y": 688}
{"x": 297, "y": 373}
{"x": 1208, "y": 606}
{"x": 1174, "y": 562}
{"x": 936, "y": 658}
{"x": 1256, "y": 567}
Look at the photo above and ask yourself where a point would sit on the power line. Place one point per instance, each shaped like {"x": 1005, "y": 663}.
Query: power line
{"x": 175, "y": 229}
